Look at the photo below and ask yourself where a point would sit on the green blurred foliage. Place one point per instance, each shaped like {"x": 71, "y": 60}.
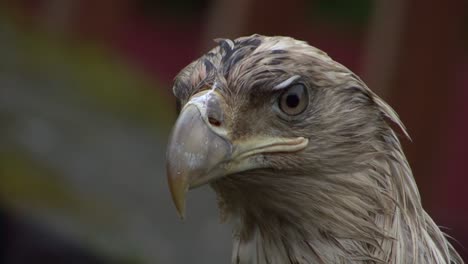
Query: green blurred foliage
{"x": 342, "y": 12}
{"x": 181, "y": 9}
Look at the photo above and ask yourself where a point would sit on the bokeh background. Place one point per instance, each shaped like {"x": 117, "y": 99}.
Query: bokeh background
{"x": 86, "y": 108}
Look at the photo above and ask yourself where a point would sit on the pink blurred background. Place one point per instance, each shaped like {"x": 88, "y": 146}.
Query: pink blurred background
{"x": 86, "y": 106}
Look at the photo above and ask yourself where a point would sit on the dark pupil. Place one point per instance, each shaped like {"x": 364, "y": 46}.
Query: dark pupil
{"x": 292, "y": 100}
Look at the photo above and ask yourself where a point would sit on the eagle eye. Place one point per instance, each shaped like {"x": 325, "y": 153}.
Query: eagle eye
{"x": 294, "y": 100}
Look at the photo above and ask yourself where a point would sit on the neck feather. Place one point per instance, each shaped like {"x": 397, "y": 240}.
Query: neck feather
{"x": 370, "y": 216}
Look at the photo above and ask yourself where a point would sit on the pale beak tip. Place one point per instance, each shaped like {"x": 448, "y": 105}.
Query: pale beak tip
{"x": 180, "y": 207}
{"x": 181, "y": 215}
{"x": 179, "y": 188}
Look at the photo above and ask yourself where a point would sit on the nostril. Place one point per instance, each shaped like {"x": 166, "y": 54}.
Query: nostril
{"x": 214, "y": 112}
{"x": 214, "y": 121}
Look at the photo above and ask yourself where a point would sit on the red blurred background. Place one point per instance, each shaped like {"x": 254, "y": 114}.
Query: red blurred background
{"x": 412, "y": 53}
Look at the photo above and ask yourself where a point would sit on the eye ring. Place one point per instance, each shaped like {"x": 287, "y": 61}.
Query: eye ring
{"x": 294, "y": 100}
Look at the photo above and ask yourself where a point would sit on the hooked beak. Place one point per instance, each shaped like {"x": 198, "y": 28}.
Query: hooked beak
{"x": 200, "y": 149}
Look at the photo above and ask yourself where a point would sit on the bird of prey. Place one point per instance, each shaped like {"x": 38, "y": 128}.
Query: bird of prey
{"x": 302, "y": 157}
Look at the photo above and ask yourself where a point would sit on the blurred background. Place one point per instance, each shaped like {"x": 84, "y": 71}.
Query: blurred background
{"x": 86, "y": 108}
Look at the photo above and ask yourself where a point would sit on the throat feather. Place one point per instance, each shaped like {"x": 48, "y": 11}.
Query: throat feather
{"x": 371, "y": 216}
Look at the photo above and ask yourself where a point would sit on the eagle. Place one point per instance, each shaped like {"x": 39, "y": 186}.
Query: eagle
{"x": 302, "y": 157}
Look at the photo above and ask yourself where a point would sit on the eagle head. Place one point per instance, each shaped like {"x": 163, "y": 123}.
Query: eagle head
{"x": 298, "y": 150}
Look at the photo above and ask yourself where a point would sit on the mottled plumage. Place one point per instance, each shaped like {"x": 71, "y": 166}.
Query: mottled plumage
{"x": 347, "y": 197}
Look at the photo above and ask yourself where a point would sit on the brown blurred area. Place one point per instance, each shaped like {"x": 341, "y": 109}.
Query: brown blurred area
{"x": 86, "y": 105}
